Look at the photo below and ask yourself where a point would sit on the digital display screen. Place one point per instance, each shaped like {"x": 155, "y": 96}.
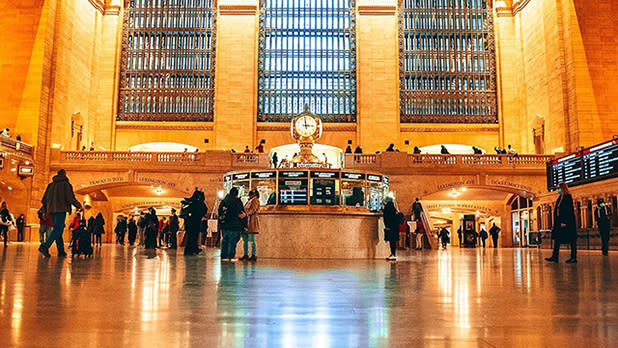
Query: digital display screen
{"x": 596, "y": 163}
{"x": 293, "y": 174}
{"x": 324, "y": 192}
{"x": 293, "y": 191}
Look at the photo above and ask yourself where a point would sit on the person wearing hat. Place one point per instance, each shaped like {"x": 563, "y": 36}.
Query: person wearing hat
{"x": 174, "y": 227}
{"x": 602, "y": 215}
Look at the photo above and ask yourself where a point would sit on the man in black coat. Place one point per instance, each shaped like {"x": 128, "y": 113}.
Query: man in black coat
{"x": 231, "y": 212}
{"x": 417, "y": 209}
{"x": 602, "y": 215}
{"x": 132, "y": 231}
{"x": 565, "y": 229}
{"x": 152, "y": 227}
{"x": 21, "y": 223}
{"x": 391, "y": 227}
{"x": 194, "y": 209}
{"x": 174, "y": 226}
{"x": 494, "y": 232}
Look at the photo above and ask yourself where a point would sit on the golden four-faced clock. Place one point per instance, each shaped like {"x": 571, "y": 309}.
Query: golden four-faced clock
{"x": 306, "y": 127}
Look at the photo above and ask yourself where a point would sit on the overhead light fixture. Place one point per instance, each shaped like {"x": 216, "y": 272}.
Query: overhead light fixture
{"x": 158, "y": 190}
{"x": 454, "y": 193}
{"x": 10, "y": 188}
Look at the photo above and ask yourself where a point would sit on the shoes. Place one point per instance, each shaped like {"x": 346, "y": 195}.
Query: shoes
{"x": 391, "y": 258}
{"x": 551, "y": 259}
{"x": 245, "y": 257}
{"x": 571, "y": 261}
{"x": 252, "y": 258}
{"x": 43, "y": 250}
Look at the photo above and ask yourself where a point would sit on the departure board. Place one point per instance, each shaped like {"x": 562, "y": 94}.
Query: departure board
{"x": 596, "y": 163}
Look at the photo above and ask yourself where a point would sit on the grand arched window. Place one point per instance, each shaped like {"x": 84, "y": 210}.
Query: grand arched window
{"x": 307, "y": 55}
{"x": 447, "y": 62}
{"x": 167, "y": 63}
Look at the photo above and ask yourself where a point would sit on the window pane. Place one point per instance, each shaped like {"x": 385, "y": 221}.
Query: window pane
{"x": 167, "y": 71}
{"x": 307, "y": 56}
{"x": 447, "y": 58}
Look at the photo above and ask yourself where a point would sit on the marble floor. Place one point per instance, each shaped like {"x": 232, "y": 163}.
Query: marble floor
{"x": 125, "y": 297}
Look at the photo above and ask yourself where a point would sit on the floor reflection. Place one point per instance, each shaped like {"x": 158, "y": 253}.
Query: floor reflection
{"x": 126, "y": 297}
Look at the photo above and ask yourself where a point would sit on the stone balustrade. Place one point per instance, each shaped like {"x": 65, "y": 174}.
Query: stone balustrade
{"x": 231, "y": 161}
{"x": 18, "y": 146}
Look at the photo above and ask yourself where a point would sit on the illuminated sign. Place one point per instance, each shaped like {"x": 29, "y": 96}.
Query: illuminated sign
{"x": 26, "y": 170}
{"x": 293, "y": 174}
{"x": 595, "y": 163}
{"x": 353, "y": 176}
{"x": 263, "y": 175}
{"x": 241, "y": 176}
{"x": 376, "y": 178}
{"x": 325, "y": 175}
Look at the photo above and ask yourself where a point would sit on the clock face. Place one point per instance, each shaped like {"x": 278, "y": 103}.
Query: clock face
{"x": 306, "y": 126}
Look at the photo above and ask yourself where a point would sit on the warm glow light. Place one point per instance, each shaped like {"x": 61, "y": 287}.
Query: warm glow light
{"x": 221, "y": 194}
{"x": 158, "y": 190}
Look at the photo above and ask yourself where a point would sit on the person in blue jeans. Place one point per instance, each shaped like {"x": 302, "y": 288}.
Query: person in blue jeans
{"x": 58, "y": 200}
{"x": 231, "y": 214}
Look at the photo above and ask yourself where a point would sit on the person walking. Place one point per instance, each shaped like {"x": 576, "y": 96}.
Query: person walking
{"x": 565, "y": 230}
{"x": 194, "y": 209}
{"x": 57, "y": 201}
{"x": 132, "y": 231}
{"x": 174, "y": 227}
{"x": 161, "y": 223}
{"x": 141, "y": 227}
{"x": 494, "y": 232}
{"x": 602, "y": 215}
{"x": 20, "y": 223}
{"x": 252, "y": 207}
{"x": 45, "y": 225}
{"x": 483, "y": 235}
{"x": 444, "y": 237}
{"x": 460, "y": 235}
{"x": 417, "y": 209}
{"x": 152, "y": 226}
{"x": 230, "y": 213}
{"x": 391, "y": 227}
{"x": 7, "y": 222}
{"x": 99, "y": 229}
{"x": 121, "y": 229}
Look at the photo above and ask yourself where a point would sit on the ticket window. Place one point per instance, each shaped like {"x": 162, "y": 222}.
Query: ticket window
{"x": 265, "y": 183}
{"x": 324, "y": 188}
{"x": 242, "y": 183}
{"x": 293, "y": 188}
{"x": 353, "y": 189}
{"x": 375, "y": 192}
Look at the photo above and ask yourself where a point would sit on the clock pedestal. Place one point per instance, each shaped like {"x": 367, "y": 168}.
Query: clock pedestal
{"x": 306, "y": 156}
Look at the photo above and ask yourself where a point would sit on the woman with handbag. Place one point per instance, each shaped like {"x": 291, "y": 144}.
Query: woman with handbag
{"x": 565, "y": 230}
{"x": 253, "y": 226}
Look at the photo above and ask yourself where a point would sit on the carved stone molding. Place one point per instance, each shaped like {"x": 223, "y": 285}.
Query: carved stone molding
{"x": 105, "y": 9}
{"x": 377, "y": 10}
{"x": 237, "y": 10}
{"x": 458, "y": 129}
{"x": 285, "y": 127}
{"x": 164, "y": 126}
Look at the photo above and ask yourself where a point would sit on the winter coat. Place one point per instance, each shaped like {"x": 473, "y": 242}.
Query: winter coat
{"x": 59, "y": 196}
{"x": 564, "y": 213}
{"x": 6, "y": 220}
{"x": 251, "y": 209}
{"x": 99, "y": 222}
{"x": 391, "y": 222}
{"x": 195, "y": 211}
{"x": 231, "y": 207}
{"x": 174, "y": 224}
{"x": 602, "y": 216}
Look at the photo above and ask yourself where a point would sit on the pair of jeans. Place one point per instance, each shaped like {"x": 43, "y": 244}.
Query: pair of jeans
{"x": 228, "y": 243}
{"x": 556, "y": 251}
{"x": 246, "y": 239}
{"x": 44, "y": 231}
{"x": 56, "y": 233}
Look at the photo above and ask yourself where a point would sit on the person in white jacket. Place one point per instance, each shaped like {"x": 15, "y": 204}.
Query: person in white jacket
{"x": 7, "y": 222}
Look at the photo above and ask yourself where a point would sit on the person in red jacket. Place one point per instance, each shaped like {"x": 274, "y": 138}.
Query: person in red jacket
{"x": 420, "y": 232}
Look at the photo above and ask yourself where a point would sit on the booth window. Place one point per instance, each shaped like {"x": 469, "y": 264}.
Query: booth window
{"x": 307, "y": 55}
{"x": 167, "y": 69}
{"x": 447, "y": 62}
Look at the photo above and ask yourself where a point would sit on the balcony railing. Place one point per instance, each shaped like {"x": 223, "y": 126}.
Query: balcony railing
{"x": 18, "y": 146}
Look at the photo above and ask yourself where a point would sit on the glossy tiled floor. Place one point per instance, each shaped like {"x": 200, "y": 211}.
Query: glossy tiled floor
{"x": 123, "y": 297}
